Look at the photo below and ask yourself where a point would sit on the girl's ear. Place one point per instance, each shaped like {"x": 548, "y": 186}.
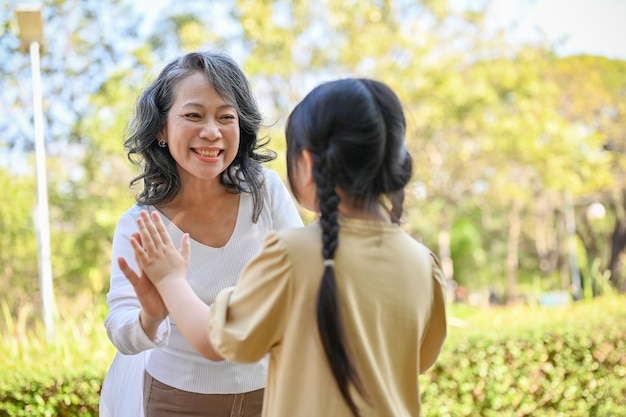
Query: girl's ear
{"x": 305, "y": 189}
{"x": 306, "y": 168}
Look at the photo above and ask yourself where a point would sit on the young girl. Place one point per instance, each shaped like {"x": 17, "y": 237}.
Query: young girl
{"x": 350, "y": 308}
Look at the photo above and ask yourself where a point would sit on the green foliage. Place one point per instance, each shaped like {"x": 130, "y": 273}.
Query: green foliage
{"x": 563, "y": 362}
{"x": 521, "y": 361}
{"x": 58, "y": 377}
{"x": 18, "y": 257}
{"x": 467, "y": 253}
{"x": 490, "y": 124}
{"x": 63, "y": 393}
{"x": 563, "y": 372}
{"x": 89, "y": 78}
{"x": 79, "y": 338}
{"x": 593, "y": 91}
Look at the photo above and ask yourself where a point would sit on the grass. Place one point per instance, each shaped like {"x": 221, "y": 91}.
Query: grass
{"x": 469, "y": 321}
{"x": 80, "y": 338}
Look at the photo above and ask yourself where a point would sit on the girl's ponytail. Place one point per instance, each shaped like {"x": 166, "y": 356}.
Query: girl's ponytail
{"x": 330, "y": 322}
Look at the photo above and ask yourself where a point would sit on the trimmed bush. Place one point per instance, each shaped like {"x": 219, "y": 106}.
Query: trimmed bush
{"x": 507, "y": 362}
{"x": 570, "y": 371}
{"x": 71, "y": 393}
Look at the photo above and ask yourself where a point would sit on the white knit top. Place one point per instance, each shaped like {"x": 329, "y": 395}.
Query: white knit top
{"x": 172, "y": 360}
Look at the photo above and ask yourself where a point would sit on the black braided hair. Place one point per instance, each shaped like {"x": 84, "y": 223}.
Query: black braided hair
{"x": 329, "y": 315}
{"x": 354, "y": 130}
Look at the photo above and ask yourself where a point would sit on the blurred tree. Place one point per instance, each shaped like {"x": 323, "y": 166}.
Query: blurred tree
{"x": 17, "y": 237}
{"x": 295, "y": 45}
{"x": 498, "y": 130}
{"x": 92, "y": 64}
{"x": 593, "y": 99}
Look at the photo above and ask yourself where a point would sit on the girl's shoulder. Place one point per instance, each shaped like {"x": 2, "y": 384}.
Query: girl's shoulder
{"x": 302, "y": 239}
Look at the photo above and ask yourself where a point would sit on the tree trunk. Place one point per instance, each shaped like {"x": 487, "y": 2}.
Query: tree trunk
{"x": 618, "y": 244}
{"x": 512, "y": 258}
{"x": 446, "y": 259}
{"x": 546, "y": 241}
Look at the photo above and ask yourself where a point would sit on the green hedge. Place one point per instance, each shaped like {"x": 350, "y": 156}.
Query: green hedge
{"x": 568, "y": 368}
{"x": 63, "y": 393}
{"x": 573, "y": 371}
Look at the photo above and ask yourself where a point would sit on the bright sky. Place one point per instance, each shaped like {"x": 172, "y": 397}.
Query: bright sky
{"x": 596, "y": 27}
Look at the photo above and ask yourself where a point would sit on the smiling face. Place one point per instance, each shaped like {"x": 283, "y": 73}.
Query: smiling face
{"x": 202, "y": 130}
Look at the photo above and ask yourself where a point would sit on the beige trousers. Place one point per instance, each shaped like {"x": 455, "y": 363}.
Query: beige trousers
{"x": 161, "y": 400}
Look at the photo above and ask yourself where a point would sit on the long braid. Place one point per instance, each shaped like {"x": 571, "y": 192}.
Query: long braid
{"x": 330, "y": 321}
{"x": 354, "y": 130}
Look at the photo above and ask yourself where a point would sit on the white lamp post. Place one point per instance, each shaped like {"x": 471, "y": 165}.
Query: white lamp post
{"x": 31, "y": 36}
{"x": 595, "y": 211}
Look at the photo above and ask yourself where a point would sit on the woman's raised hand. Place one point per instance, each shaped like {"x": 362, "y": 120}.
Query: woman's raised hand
{"x": 155, "y": 252}
{"x": 153, "y": 309}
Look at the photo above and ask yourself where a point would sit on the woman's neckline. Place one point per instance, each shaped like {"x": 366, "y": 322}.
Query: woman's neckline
{"x": 235, "y": 232}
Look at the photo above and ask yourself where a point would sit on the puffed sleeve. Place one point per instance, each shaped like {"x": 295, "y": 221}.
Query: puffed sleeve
{"x": 436, "y": 331}
{"x": 248, "y": 320}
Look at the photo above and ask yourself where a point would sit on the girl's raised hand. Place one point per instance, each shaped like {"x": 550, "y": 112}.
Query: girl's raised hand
{"x": 155, "y": 253}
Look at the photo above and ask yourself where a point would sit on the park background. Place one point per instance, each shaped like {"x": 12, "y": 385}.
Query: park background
{"x": 519, "y": 139}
